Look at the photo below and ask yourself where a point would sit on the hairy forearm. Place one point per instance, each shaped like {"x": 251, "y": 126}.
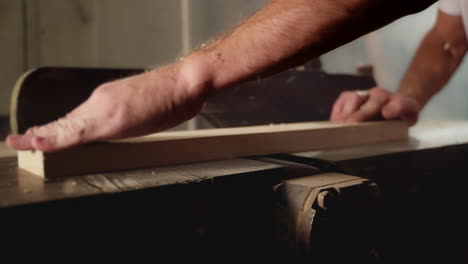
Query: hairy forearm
{"x": 432, "y": 67}
{"x": 287, "y": 33}
{"x": 283, "y": 34}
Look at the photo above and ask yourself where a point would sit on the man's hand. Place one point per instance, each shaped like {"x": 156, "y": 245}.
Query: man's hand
{"x": 134, "y": 106}
{"x": 356, "y": 106}
{"x": 436, "y": 60}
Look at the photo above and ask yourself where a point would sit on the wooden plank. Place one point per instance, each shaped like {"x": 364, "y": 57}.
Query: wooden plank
{"x": 169, "y": 148}
{"x": 426, "y": 134}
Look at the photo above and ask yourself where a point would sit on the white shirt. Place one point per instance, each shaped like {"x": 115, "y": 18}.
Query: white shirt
{"x": 456, "y": 8}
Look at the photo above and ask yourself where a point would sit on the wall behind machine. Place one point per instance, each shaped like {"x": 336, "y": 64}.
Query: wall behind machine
{"x": 12, "y": 55}
{"x": 149, "y": 33}
{"x": 85, "y": 33}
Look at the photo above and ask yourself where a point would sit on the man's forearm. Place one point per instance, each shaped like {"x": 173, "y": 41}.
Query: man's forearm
{"x": 283, "y": 34}
{"x": 287, "y": 33}
{"x": 432, "y": 67}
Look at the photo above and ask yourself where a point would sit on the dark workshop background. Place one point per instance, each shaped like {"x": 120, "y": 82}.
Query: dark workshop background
{"x": 148, "y": 33}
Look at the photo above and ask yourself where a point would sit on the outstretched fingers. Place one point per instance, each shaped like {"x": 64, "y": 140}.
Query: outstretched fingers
{"x": 57, "y": 135}
{"x": 347, "y": 104}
